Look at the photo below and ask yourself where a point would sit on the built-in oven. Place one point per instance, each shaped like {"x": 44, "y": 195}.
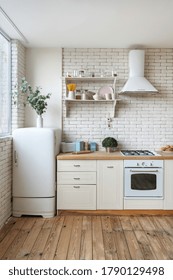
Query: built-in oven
{"x": 143, "y": 178}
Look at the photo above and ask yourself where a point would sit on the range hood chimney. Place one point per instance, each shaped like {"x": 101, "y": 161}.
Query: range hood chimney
{"x": 137, "y": 83}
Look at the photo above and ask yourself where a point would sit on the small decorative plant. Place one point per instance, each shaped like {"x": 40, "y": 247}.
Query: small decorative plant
{"x": 109, "y": 143}
{"x": 36, "y": 100}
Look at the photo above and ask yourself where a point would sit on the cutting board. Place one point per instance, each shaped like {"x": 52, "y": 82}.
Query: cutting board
{"x": 82, "y": 152}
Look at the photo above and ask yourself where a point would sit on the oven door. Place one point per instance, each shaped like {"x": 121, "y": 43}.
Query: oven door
{"x": 143, "y": 182}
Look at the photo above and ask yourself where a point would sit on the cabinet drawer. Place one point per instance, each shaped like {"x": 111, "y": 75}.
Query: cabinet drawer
{"x": 76, "y": 165}
{"x": 76, "y": 197}
{"x": 76, "y": 178}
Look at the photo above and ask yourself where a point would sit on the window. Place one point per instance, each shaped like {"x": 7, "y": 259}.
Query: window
{"x": 5, "y": 85}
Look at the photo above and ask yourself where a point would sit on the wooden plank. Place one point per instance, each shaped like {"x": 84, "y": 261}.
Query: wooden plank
{"x": 145, "y": 245}
{"x": 63, "y": 244}
{"x": 108, "y": 239}
{"x": 7, "y": 227}
{"x": 115, "y": 223}
{"x": 74, "y": 245}
{"x": 86, "y": 239}
{"x": 133, "y": 245}
{"x": 125, "y": 222}
{"x": 98, "y": 245}
{"x": 121, "y": 246}
{"x": 25, "y": 250}
{"x": 19, "y": 240}
{"x": 135, "y": 223}
{"x": 156, "y": 223}
{"x": 167, "y": 241}
{"x": 51, "y": 244}
{"x": 40, "y": 242}
{"x": 146, "y": 223}
{"x": 169, "y": 220}
{"x": 165, "y": 223}
{"x": 119, "y": 239}
{"x": 157, "y": 246}
{"x": 11, "y": 235}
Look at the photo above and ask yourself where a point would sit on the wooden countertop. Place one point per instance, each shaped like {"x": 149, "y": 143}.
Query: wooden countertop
{"x": 111, "y": 156}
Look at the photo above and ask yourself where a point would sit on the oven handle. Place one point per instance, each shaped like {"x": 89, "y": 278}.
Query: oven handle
{"x": 131, "y": 170}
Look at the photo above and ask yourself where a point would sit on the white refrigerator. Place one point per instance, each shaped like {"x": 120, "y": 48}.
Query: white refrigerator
{"x": 34, "y": 171}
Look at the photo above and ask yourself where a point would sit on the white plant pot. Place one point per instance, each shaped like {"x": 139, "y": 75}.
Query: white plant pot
{"x": 39, "y": 121}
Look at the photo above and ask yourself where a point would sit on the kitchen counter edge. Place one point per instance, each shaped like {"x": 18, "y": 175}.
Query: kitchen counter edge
{"x": 99, "y": 155}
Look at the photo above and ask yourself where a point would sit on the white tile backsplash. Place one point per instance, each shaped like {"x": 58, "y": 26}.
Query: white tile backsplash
{"x": 141, "y": 120}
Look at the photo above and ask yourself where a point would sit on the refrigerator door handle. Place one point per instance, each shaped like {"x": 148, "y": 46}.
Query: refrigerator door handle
{"x": 15, "y": 158}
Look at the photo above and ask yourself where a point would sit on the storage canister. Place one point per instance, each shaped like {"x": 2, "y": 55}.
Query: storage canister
{"x": 80, "y": 146}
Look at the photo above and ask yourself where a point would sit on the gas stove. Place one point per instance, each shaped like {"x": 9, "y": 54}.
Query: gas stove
{"x": 138, "y": 153}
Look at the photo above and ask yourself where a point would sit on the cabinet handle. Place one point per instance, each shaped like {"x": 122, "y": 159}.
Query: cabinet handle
{"x": 110, "y": 166}
{"x": 76, "y": 178}
{"x": 76, "y": 187}
{"x": 76, "y": 165}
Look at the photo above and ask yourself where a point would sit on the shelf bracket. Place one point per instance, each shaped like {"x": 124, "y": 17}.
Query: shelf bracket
{"x": 114, "y": 105}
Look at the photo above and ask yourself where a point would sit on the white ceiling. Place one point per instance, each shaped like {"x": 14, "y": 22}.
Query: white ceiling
{"x": 89, "y": 23}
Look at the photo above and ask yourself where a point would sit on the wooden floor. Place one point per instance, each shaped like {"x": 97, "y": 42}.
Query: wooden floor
{"x": 84, "y": 237}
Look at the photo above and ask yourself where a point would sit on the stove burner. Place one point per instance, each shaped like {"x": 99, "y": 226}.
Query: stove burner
{"x": 137, "y": 153}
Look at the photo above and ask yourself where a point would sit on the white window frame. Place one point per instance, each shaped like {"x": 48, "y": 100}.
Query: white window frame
{"x": 9, "y": 97}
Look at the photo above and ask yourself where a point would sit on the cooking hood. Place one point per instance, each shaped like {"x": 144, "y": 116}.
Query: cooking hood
{"x": 137, "y": 83}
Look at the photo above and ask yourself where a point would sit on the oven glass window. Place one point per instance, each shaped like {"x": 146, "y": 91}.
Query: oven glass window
{"x": 143, "y": 182}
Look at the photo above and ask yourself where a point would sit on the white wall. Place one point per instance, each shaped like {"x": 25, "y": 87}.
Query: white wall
{"x": 44, "y": 68}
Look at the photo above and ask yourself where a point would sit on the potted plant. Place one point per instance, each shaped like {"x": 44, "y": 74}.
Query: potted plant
{"x": 110, "y": 144}
{"x": 36, "y": 100}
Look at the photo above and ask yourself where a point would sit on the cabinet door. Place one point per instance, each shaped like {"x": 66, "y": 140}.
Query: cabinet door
{"x": 168, "y": 184}
{"x": 76, "y": 197}
{"x": 110, "y": 184}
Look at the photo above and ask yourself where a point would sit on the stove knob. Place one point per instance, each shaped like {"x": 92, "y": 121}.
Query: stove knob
{"x": 143, "y": 163}
{"x": 151, "y": 164}
{"x": 137, "y": 164}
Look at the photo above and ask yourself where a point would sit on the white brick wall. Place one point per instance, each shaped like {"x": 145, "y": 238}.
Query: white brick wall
{"x": 142, "y": 121}
{"x": 5, "y": 179}
{"x": 18, "y": 71}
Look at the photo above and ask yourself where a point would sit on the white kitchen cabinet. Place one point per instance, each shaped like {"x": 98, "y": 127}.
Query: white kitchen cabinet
{"x": 76, "y": 184}
{"x": 110, "y": 184}
{"x": 168, "y": 184}
{"x": 77, "y": 197}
